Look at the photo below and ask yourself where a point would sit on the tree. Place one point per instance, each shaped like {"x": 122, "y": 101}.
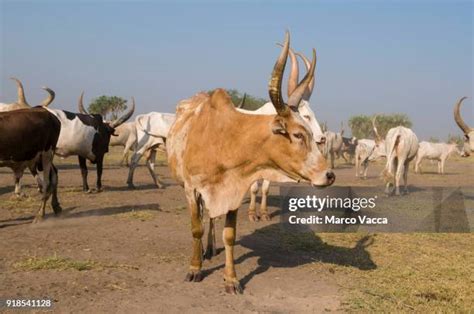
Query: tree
{"x": 251, "y": 102}
{"x": 433, "y": 139}
{"x": 108, "y": 105}
{"x": 361, "y": 125}
{"x": 458, "y": 139}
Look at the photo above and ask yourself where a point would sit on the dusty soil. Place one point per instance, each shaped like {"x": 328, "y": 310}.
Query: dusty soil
{"x": 139, "y": 244}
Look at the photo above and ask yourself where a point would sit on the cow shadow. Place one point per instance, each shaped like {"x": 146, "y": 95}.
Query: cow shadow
{"x": 274, "y": 246}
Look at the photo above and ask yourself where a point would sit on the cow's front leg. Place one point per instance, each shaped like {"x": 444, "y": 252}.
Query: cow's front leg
{"x": 100, "y": 167}
{"x": 263, "y": 204}
{"x": 83, "y": 166}
{"x": 197, "y": 231}
{"x": 232, "y": 284}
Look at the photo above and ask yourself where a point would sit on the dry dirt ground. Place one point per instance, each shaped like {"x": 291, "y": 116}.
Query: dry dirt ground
{"x": 127, "y": 250}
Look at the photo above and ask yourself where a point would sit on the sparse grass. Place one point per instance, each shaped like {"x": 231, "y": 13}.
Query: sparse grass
{"x": 142, "y": 215}
{"x": 61, "y": 263}
{"x": 414, "y": 272}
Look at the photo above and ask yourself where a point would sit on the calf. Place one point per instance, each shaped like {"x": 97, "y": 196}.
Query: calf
{"x": 88, "y": 137}
{"x": 363, "y": 151}
{"x": 434, "y": 151}
{"x": 28, "y": 138}
{"x": 151, "y": 130}
{"x": 349, "y": 145}
{"x": 401, "y": 146}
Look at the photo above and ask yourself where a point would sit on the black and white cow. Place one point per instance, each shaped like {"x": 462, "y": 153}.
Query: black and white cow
{"x": 88, "y": 137}
{"x": 28, "y": 138}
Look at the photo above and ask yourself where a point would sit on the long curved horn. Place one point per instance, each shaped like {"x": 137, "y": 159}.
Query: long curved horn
{"x": 294, "y": 72}
{"x": 457, "y": 117}
{"x": 274, "y": 86}
{"x": 297, "y": 95}
{"x": 242, "y": 101}
{"x": 21, "y": 92}
{"x": 80, "y": 104}
{"x": 377, "y": 135}
{"x": 124, "y": 117}
{"x": 309, "y": 91}
{"x": 50, "y": 98}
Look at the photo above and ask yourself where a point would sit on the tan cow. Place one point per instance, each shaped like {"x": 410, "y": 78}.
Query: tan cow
{"x": 217, "y": 152}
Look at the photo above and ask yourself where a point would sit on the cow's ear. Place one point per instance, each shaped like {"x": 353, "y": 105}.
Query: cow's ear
{"x": 279, "y": 125}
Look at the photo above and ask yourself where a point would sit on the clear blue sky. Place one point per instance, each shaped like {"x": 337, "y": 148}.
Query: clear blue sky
{"x": 414, "y": 57}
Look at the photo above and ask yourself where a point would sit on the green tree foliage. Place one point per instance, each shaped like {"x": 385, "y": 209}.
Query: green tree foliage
{"x": 110, "y": 106}
{"x": 251, "y": 102}
{"x": 361, "y": 125}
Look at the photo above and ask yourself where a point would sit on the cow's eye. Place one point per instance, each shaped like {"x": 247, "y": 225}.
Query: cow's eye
{"x": 298, "y": 135}
{"x": 307, "y": 118}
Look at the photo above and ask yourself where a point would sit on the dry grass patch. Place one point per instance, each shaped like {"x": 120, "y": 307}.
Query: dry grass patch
{"x": 62, "y": 263}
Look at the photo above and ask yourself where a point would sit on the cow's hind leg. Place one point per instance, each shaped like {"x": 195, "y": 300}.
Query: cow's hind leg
{"x": 405, "y": 177}
{"x": 232, "y": 284}
{"x": 211, "y": 249}
{"x": 197, "y": 230}
{"x": 83, "y": 166}
{"x": 150, "y": 163}
{"x": 54, "y": 190}
{"x": 17, "y": 174}
{"x": 263, "y": 205}
{"x": 34, "y": 172}
{"x": 398, "y": 176}
{"x": 133, "y": 164}
{"x": 252, "y": 211}
{"x": 46, "y": 159}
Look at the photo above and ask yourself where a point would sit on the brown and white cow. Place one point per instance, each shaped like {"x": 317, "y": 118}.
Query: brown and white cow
{"x": 467, "y": 130}
{"x": 28, "y": 138}
{"x": 217, "y": 152}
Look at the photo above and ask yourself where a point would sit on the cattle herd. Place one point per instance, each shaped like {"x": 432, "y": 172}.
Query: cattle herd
{"x": 216, "y": 150}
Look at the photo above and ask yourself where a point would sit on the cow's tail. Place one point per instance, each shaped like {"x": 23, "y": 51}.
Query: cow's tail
{"x": 388, "y": 173}
{"x": 140, "y": 126}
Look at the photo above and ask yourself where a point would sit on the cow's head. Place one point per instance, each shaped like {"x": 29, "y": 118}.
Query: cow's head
{"x": 105, "y": 129}
{"x": 468, "y": 131}
{"x": 379, "y": 149}
{"x": 293, "y": 147}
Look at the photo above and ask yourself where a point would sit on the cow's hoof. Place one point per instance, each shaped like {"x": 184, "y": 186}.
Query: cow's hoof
{"x": 131, "y": 186}
{"x": 160, "y": 186}
{"x": 253, "y": 217}
{"x": 20, "y": 195}
{"x": 265, "y": 217}
{"x": 99, "y": 190}
{"x": 233, "y": 287}
{"x": 194, "y": 276}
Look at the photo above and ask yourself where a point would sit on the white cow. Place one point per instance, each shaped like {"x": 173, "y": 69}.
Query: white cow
{"x": 435, "y": 151}
{"x": 126, "y": 136}
{"x": 305, "y": 112}
{"x": 333, "y": 145}
{"x": 151, "y": 131}
{"x": 401, "y": 146}
{"x": 363, "y": 150}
